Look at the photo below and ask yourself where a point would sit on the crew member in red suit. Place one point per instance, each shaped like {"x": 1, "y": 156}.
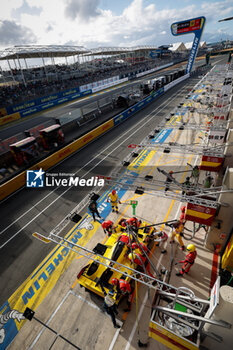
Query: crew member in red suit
{"x": 189, "y": 260}
{"x": 123, "y": 288}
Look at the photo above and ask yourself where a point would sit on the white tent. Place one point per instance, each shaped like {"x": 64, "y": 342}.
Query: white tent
{"x": 190, "y": 44}
{"x": 178, "y": 47}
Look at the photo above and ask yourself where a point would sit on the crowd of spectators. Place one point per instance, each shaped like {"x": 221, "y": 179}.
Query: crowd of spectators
{"x": 39, "y": 82}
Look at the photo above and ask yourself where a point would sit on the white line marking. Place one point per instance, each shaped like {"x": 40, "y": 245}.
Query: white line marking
{"x": 158, "y": 108}
{"x": 49, "y": 320}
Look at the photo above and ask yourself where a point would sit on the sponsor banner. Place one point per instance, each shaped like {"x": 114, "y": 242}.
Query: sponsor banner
{"x": 9, "y": 118}
{"x": 169, "y": 339}
{"x": 175, "y": 82}
{"x": 40, "y": 101}
{"x": 200, "y": 214}
{"x": 211, "y": 163}
{"x": 154, "y": 69}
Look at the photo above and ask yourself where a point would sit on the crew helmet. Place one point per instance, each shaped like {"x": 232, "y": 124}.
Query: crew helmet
{"x": 191, "y": 248}
{"x": 106, "y": 224}
{"x": 114, "y": 281}
{"x": 132, "y": 256}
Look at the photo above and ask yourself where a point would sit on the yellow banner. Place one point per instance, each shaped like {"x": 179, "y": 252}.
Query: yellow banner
{"x": 9, "y": 118}
{"x": 198, "y": 214}
{"x": 210, "y": 164}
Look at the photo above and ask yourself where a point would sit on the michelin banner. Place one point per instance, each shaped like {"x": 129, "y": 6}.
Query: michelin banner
{"x": 194, "y": 25}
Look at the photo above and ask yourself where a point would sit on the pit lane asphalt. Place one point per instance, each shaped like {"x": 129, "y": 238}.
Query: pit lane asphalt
{"x": 28, "y": 210}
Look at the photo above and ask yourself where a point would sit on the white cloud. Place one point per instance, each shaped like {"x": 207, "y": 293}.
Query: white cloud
{"x": 84, "y": 10}
{"x": 12, "y": 33}
{"x": 83, "y": 22}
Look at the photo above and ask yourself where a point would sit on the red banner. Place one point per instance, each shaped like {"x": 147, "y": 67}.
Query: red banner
{"x": 200, "y": 214}
{"x": 189, "y": 26}
{"x": 211, "y": 163}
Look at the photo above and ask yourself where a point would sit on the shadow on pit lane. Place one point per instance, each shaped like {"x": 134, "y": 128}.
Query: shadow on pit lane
{"x": 18, "y": 259}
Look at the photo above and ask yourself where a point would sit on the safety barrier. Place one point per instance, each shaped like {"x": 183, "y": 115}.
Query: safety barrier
{"x": 19, "y": 181}
{"x": 9, "y": 118}
{"x": 175, "y": 82}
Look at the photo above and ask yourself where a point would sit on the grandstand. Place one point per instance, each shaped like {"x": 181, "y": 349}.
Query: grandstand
{"x": 22, "y": 82}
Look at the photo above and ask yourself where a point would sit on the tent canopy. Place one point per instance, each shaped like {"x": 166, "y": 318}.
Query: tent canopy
{"x": 38, "y": 51}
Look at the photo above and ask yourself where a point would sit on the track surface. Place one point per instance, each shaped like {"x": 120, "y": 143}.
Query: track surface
{"x": 28, "y": 211}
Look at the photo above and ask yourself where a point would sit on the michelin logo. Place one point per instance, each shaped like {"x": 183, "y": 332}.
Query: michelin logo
{"x": 35, "y": 178}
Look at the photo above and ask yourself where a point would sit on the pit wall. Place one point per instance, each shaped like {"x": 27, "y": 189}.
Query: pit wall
{"x": 19, "y": 181}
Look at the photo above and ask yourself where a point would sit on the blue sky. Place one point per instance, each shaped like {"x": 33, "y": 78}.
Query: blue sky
{"x": 96, "y": 23}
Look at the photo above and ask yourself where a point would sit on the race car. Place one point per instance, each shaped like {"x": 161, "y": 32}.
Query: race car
{"x": 116, "y": 248}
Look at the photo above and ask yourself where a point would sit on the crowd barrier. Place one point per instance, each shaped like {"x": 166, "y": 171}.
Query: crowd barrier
{"x": 19, "y": 181}
{"x": 39, "y": 101}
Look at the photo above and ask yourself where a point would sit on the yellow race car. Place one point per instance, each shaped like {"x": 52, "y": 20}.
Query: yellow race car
{"x": 116, "y": 248}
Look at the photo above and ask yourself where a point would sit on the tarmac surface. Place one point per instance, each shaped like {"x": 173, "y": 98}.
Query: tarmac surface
{"x": 68, "y": 309}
